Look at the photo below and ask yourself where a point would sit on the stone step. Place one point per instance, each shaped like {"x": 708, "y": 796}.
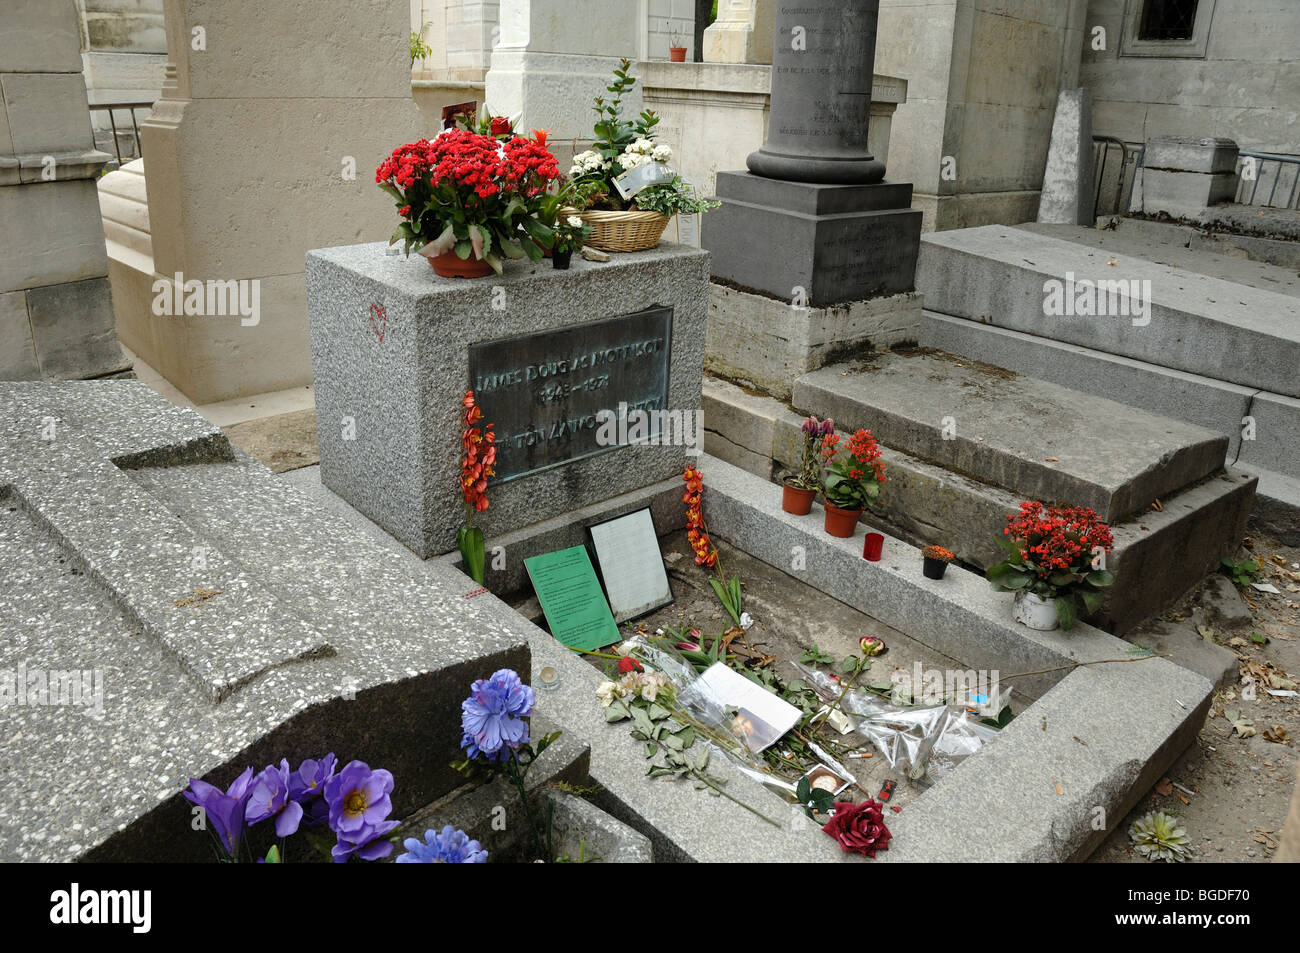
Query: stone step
{"x": 1195, "y": 323}
{"x": 1171, "y": 249}
{"x": 1255, "y": 247}
{"x": 1157, "y": 557}
{"x": 1213, "y": 404}
{"x": 1032, "y": 437}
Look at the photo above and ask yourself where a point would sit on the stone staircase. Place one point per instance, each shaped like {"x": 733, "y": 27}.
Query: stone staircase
{"x": 1221, "y": 348}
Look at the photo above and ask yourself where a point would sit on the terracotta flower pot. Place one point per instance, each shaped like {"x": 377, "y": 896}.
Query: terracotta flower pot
{"x": 450, "y": 265}
{"x": 677, "y": 54}
{"x": 840, "y": 522}
{"x": 796, "y": 500}
{"x": 933, "y": 568}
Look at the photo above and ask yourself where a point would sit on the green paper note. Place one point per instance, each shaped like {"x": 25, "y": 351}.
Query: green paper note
{"x": 572, "y": 599}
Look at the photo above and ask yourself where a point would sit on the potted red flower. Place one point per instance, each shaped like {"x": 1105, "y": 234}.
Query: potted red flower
{"x": 854, "y": 476}
{"x": 1055, "y": 564}
{"x": 468, "y": 199}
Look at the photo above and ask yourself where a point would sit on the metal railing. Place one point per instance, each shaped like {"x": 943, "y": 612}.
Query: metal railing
{"x": 1273, "y": 171}
{"x": 117, "y": 136}
{"x": 1124, "y": 172}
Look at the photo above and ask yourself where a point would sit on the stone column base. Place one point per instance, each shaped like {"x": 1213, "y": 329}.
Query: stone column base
{"x": 814, "y": 245}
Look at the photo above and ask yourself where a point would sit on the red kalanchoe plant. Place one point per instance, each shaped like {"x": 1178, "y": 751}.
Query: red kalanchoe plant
{"x": 466, "y": 192}
{"x": 1058, "y": 553}
{"x": 477, "y": 465}
{"x": 859, "y": 828}
{"x": 854, "y": 470}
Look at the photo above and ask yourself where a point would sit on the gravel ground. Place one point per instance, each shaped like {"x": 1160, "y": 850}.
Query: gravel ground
{"x": 1231, "y": 793}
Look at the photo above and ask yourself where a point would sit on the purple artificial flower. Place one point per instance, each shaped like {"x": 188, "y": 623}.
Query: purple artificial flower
{"x": 365, "y": 842}
{"x": 811, "y": 425}
{"x": 269, "y": 797}
{"x": 828, "y": 427}
{"x": 358, "y": 800}
{"x": 308, "y": 782}
{"x": 225, "y": 810}
{"x": 448, "y": 847}
{"x": 493, "y": 716}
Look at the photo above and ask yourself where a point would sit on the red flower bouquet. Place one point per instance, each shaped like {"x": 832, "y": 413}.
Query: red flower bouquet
{"x": 468, "y": 193}
{"x": 1057, "y": 553}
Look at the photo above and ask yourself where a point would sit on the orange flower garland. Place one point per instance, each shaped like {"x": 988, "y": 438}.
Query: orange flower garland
{"x": 480, "y": 455}
{"x": 705, "y": 554}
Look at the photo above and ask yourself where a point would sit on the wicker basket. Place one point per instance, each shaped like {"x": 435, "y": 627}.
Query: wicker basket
{"x": 624, "y": 231}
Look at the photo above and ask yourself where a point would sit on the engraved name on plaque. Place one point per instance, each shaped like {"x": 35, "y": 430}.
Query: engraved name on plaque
{"x": 544, "y": 392}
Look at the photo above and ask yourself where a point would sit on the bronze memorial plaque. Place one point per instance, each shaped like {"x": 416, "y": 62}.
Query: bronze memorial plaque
{"x": 545, "y": 393}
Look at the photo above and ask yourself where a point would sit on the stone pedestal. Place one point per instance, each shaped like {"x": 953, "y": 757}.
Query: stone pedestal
{"x": 255, "y": 155}
{"x": 549, "y": 65}
{"x": 394, "y": 348}
{"x": 742, "y": 33}
{"x": 1182, "y": 176}
{"x": 814, "y": 244}
{"x": 56, "y": 316}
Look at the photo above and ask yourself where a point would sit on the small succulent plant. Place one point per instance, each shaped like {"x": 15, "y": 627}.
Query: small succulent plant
{"x": 1158, "y": 837}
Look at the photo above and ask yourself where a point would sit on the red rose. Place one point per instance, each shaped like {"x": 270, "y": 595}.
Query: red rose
{"x": 500, "y": 126}
{"x": 628, "y": 664}
{"x": 859, "y": 828}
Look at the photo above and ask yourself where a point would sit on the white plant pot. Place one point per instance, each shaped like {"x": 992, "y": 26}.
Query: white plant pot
{"x": 1035, "y": 612}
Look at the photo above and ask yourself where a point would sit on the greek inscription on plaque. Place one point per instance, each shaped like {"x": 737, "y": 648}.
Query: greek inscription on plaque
{"x": 543, "y": 392}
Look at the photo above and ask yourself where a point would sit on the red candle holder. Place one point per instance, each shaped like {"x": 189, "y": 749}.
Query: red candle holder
{"x": 873, "y": 546}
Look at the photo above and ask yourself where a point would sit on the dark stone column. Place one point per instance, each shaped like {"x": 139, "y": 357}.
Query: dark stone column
{"x": 823, "y": 59}
{"x": 813, "y": 219}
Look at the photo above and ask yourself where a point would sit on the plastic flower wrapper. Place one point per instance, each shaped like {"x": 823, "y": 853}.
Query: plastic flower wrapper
{"x": 907, "y": 738}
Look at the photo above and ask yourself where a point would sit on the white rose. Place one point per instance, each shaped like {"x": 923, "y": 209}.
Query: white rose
{"x": 575, "y": 222}
{"x": 662, "y": 153}
{"x": 607, "y": 692}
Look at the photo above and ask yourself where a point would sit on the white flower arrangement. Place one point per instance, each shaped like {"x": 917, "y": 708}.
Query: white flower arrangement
{"x": 585, "y": 163}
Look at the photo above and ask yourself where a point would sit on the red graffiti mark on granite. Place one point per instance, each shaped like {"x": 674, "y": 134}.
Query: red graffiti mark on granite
{"x": 379, "y": 321}
{"x": 474, "y": 592}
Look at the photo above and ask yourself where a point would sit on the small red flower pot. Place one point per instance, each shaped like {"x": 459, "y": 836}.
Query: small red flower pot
{"x": 677, "y": 54}
{"x": 840, "y": 522}
{"x": 796, "y": 500}
{"x": 873, "y": 547}
{"x": 451, "y": 265}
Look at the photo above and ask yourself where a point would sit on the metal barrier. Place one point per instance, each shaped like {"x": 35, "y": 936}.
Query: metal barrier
{"x": 1255, "y": 167}
{"x": 1130, "y": 160}
{"x": 112, "y": 121}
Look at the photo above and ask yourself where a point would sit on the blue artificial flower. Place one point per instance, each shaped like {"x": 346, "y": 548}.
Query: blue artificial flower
{"x": 225, "y": 810}
{"x": 493, "y": 716}
{"x": 449, "y": 847}
{"x": 269, "y": 797}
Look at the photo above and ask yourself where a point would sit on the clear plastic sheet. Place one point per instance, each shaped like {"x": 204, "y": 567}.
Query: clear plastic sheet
{"x": 922, "y": 743}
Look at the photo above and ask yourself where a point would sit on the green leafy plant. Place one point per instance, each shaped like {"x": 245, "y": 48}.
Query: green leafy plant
{"x": 816, "y": 656}
{"x": 1003, "y": 719}
{"x": 729, "y": 595}
{"x": 1157, "y": 836}
{"x": 419, "y": 49}
{"x": 1242, "y": 572}
{"x": 1050, "y": 553}
{"x": 672, "y": 197}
